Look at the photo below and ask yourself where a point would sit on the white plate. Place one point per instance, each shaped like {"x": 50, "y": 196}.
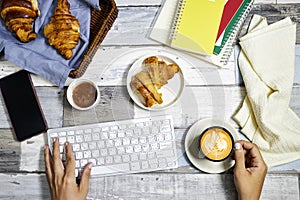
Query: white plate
{"x": 191, "y": 146}
{"x": 170, "y": 92}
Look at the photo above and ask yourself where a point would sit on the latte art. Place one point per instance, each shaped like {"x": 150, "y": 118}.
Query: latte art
{"x": 216, "y": 143}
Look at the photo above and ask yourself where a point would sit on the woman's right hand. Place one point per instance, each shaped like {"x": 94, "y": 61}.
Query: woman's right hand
{"x": 250, "y": 170}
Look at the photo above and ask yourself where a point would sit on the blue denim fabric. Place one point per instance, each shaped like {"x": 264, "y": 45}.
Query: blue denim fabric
{"x": 38, "y": 56}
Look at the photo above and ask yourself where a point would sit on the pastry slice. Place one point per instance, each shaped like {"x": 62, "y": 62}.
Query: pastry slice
{"x": 145, "y": 79}
{"x": 151, "y": 65}
{"x": 172, "y": 69}
{"x": 19, "y": 16}
{"x": 138, "y": 87}
{"x": 163, "y": 72}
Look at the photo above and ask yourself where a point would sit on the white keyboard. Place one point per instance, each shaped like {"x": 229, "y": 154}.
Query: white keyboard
{"x": 121, "y": 147}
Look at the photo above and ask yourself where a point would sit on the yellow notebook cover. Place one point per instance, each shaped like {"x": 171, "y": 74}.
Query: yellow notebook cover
{"x": 196, "y": 25}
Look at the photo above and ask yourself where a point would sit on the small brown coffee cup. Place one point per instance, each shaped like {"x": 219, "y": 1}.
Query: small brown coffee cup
{"x": 216, "y": 143}
{"x": 83, "y": 94}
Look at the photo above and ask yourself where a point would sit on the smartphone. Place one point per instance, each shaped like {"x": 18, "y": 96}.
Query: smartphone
{"x": 22, "y": 105}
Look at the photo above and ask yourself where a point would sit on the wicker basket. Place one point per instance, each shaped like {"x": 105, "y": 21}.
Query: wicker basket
{"x": 101, "y": 23}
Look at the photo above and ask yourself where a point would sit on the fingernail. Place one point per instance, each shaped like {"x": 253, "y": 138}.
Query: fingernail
{"x": 67, "y": 143}
{"x": 45, "y": 146}
{"x": 237, "y": 146}
{"x": 90, "y": 165}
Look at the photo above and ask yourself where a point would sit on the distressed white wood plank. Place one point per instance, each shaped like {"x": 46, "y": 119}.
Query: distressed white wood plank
{"x": 201, "y": 102}
{"x": 138, "y": 2}
{"x": 134, "y": 23}
{"x": 287, "y": 1}
{"x": 111, "y": 64}
{"x": 7, "y": 68}
{"x": 32, "y": 154}
{"x": 113, "y": 69}
{"x": 196, "y": 103}
{"x": 115, "y": 104}
{"x": 10, "y": 152}
{"x": 152, "y": 186}
{"x": 28, "y": 156}
{"x": 50, "y": 98}
{"x": 159, "y": 2}
{"x": 264, "y": 1}
{"x": 132, "y": 26}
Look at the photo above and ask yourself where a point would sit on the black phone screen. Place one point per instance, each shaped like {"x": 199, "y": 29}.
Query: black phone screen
{"x": 22, "y": 104}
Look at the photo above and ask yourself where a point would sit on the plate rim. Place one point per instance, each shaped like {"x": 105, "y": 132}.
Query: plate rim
{"x": 130, "y": 75}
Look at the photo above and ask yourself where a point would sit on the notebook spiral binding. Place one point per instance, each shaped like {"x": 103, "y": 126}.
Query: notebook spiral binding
{"x": 177, "y": 19}
{"x": 232, "y": 37}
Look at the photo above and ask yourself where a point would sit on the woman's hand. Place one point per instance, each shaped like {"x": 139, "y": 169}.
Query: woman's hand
{"x": 250, "y": 170}
{"x": 61, "y": 179}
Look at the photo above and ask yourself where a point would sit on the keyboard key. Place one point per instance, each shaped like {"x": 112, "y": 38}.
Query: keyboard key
{"x": 121, "y": 133}
{"x": 134, "y": 157}
{"x": 95, "y": 136}
{"x": 78, "y": 155}
{"x": 100, "y": 161}
{"x": 129, "y": 149}
{"x": 112, "y": 151}
{"x": 84, "y": 146}
{"x": 95, "y": 153}
{"x": 145, "y": 165}
{"x": 87, "y": 154}
{"x": 104, "y": 136}
{"x": 112, "y": 134}
{"x": 101, "y": 144}
{"x": 117, "y": 159}
{"x": 93, "y": 145}
{"x": 109, "y": 160}
{"x": 164, "y": 154}
{"x": 88, "y": 137}
{"x": 110, "y": 169}
{"x": 71, "y": 139}
{"x": 76, "y": 147}
{"x": 104, "y": 129}
{"x": 125, "y": 158}
{"x": 62, "y": 134}
{"x": 103, "y": 152}
{"x": 120, "y": 150}
{"x": 135, "y": 166}
{"x": 166, "y": 145}
{"x": 79, "y": 138}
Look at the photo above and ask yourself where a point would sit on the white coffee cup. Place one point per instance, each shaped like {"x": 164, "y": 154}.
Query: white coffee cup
{"x": 83, "y": 94}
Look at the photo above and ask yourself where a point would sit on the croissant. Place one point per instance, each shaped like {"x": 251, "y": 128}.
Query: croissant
{"x": 63, "y": 30}
{"x": 19, "y": 16}
{"x": 155, "y": 74}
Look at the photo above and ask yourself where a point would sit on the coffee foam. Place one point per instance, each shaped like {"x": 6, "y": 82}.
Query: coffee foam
{"x": 216, "y": 144}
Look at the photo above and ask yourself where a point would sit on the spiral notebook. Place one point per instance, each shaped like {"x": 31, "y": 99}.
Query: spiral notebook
{"x": 164, "y": 22}
{"x": 196, "y": 25}
{"x": 225, "y": 48}
{"x": 241, "y": 9}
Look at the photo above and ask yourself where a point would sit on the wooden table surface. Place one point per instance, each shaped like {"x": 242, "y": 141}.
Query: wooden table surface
{"x": 209, "y": 91}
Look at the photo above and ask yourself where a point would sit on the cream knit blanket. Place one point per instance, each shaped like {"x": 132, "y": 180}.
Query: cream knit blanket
{"x": 266, "y": 62}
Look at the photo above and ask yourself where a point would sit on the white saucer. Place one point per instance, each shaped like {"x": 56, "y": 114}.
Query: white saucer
{"x": 170, "y": 92}
{"x": 191, "y": 146}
